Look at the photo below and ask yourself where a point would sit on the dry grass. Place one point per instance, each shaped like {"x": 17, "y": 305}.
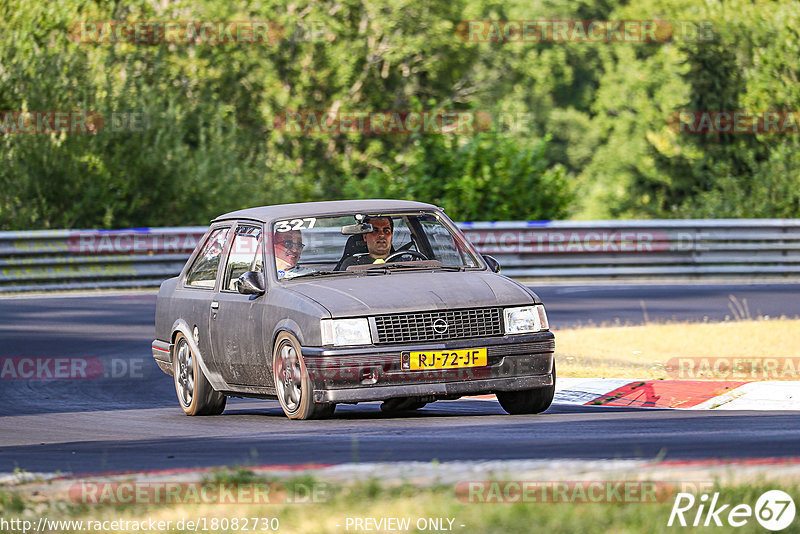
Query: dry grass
{"x": 643, "y": 351}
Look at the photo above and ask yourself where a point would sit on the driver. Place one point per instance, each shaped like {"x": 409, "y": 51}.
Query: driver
{"x": 379, "y": 243}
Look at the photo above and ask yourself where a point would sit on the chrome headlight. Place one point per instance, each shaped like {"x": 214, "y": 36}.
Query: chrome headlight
{"x": 340, "y": 332}
{"x": 525, "y": 319}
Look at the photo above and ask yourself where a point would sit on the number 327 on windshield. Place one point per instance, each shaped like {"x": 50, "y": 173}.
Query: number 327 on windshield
{"x": 295, "y": 224}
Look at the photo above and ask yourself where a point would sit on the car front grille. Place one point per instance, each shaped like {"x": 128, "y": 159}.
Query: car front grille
{"x": 429, "y": 326}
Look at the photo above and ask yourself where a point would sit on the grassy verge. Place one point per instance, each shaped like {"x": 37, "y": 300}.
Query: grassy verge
{"x": 643, "y": 351}
{"x": 374, "y": 500}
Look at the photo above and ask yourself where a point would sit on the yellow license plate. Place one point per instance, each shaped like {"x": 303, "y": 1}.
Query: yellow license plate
{"x": 447, "y": 359}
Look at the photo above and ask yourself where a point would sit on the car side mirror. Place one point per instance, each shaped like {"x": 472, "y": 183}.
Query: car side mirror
{"x": 251, "y": 283}
{"x": 493, "y": 264}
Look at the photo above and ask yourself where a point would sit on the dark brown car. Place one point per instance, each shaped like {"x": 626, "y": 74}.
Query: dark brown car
{"x": 330, "y": 303}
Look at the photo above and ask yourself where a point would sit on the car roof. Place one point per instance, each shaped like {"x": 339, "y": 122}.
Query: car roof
{"x": 308, "y": 209}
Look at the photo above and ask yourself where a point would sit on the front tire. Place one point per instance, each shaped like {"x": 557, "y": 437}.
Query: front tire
{"x": 195, "y": 394}
{"x": 529, "y": 401}
{"x": 292, "y": 384}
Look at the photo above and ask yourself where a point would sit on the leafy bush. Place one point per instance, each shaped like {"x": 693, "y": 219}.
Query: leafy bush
{"x": 596, "y": 142}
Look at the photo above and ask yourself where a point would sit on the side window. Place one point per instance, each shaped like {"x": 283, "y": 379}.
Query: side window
{"x": 245, "y": 255}
{"x": 204, "y": 271}
{"x": 445, "y": 248}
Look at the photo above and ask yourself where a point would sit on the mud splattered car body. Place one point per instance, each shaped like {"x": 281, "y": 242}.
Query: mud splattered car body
{"x": 289, "y": 301}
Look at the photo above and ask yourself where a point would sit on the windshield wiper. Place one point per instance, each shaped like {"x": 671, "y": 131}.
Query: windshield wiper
{"x": 387, "y": 267}
{"x": 317, "y": 273}
{"x": 452, "y": 267}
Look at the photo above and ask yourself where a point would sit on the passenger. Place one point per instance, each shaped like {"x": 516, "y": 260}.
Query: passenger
{"x": 288, "y": 246}
{"x": 379, "y": 243}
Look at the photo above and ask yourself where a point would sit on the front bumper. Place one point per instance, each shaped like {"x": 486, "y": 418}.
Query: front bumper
{"x": 440, "y": 390}
{"x": 356, "y": 374}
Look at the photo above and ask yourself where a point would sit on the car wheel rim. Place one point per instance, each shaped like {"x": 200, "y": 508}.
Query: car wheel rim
{"x": 185, "y": 378}
{"x": 288, "y": 378}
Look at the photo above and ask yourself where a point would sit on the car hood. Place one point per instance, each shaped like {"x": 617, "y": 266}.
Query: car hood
{"x": 400, "y": 292}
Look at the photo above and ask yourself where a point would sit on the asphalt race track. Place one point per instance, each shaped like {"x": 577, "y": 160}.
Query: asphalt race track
{"x": 125, "y": 415}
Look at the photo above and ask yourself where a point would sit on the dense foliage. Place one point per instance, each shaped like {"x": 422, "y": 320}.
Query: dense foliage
{"x": 590, "y": 135}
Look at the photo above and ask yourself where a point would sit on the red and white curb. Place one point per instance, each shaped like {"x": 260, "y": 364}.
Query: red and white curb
{"x": 686, "y": 394}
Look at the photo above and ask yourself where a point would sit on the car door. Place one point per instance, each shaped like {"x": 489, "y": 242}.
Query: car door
{"x": 193, "y": 297}
{"x": 236, "y": 321}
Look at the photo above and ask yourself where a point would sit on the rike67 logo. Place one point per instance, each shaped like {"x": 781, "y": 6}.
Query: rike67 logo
{"x": 774, "y": 510}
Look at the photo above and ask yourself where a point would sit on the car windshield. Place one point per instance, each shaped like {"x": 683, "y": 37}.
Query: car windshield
{"x": 364, "y": 243}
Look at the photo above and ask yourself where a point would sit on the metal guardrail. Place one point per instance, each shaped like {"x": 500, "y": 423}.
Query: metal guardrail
{"x": 735, "y": 248}
{"x": 86, "y": 259}
{"x": 694, "y": 248}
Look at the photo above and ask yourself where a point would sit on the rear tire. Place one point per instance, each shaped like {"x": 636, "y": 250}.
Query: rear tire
{"x": 528, "y": 401}
{"x": 292, "y": 383}
{"x": 195, "y": 394}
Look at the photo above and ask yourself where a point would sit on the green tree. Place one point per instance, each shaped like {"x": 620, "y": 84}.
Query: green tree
{"x": 486, "y": 177}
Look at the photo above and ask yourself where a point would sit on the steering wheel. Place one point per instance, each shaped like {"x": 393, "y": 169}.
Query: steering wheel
{"x": 413, "y": 253}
